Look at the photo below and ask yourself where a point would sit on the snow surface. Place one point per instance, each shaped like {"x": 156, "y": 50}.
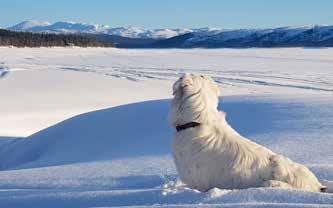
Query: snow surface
{"x": 88, "y": 127}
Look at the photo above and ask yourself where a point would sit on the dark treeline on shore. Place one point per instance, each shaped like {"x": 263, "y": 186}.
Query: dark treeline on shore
{"x": 27, "y": 39}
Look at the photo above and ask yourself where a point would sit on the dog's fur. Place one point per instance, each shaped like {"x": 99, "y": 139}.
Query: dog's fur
{"x": 215, "y": 155}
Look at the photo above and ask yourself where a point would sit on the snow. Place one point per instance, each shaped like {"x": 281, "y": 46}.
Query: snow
{"x": 27, "y": 25}
{"x": 93, "y": 131}
{"x": 130, "y": 32}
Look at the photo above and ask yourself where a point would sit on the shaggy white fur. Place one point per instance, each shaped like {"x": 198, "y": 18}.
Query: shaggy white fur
{"x": 213, "y": 154}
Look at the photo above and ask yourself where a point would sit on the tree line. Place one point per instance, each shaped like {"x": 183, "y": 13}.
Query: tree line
{"x": 28, "y": 39}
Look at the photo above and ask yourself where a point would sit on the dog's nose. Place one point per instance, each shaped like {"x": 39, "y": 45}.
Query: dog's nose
{"x": 187, "y": 80}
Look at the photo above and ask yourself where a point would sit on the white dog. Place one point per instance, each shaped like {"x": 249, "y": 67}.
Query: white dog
{"x": 208, "y": 153}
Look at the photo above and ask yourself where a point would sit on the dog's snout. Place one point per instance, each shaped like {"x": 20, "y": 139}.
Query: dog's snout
{"x": 186, "y": 83}
{"x": 186, "y": 80}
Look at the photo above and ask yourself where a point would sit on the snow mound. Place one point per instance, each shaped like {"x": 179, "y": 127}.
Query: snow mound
{"x": 141, "y": 129}
{"x": 121, "y": 157}
{"x": 3, "y": 71}
{"x": 133, "y": 130}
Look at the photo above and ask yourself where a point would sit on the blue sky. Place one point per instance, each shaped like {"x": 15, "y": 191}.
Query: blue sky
{"x": 171, "y": 13}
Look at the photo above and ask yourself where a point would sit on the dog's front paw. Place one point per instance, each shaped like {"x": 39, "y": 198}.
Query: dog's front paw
{"x": 277, "y": 184}
{"x": 278, "y": 167}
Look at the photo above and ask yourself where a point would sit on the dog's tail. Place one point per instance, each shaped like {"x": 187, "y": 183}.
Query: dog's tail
{"x": 323, "y": 189}
{"x": 327, "y": 187}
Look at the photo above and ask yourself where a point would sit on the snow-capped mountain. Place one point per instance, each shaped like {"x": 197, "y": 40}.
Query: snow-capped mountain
{"x": 139, "y": 32}
{"x": 27, "y": 25}
{"x": 73, "y": 27}
{"x": 188, "y": 38}
{"x": 59, "y": 27}
{"x": 316, "y": 36}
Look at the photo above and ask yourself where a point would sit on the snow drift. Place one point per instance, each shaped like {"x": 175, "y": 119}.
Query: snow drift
{"x": 121, "y": 156}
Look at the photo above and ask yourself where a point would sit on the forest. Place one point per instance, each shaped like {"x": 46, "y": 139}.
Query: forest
{"x": 27, "y": 39}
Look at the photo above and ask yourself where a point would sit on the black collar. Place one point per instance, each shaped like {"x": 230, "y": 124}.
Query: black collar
{"x": 186, "y": 126}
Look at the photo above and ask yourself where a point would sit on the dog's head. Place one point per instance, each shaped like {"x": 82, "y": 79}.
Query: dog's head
{"x": 195, "y": 98}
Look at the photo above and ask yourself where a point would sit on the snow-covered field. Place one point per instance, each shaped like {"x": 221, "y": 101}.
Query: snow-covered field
{"x": 87, "y": 127}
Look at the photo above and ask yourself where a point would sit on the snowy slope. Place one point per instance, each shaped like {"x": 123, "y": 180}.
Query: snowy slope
{"x": 28, "y": 25}
{"x": 96, "y": 131}
{"x": 100, "y": 161}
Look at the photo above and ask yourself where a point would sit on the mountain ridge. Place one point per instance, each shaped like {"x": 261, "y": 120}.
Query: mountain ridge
{"x": 76, "y": 27}
{"x": 138, "y": 37}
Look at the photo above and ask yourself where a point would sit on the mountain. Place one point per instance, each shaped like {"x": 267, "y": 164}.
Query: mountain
{"x": 73, "y": 27}
{"x": 315, "y": 36}
{"x": 123, "y": 42}
{"x": 59, "y": 27}
{"x": 27, "y": 25}
{"x": 138, "y": 37}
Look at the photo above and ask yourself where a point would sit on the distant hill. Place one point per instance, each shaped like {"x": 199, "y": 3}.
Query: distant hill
{"x": 317, "y": 36}
{"x": 27, "y": 39}
{"x": 174, "y": 42}
{"x": 123, "y": 42}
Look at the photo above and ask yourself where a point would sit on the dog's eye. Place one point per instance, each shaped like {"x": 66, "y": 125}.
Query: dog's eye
{"x": 202, "y": 76}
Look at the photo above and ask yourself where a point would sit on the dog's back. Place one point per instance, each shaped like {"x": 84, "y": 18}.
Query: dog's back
{"x": 216, "y": 156}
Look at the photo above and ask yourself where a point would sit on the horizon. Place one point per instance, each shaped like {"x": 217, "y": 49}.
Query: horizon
{"x": 171, "y": 14}
{"x": 223, "y": 28}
